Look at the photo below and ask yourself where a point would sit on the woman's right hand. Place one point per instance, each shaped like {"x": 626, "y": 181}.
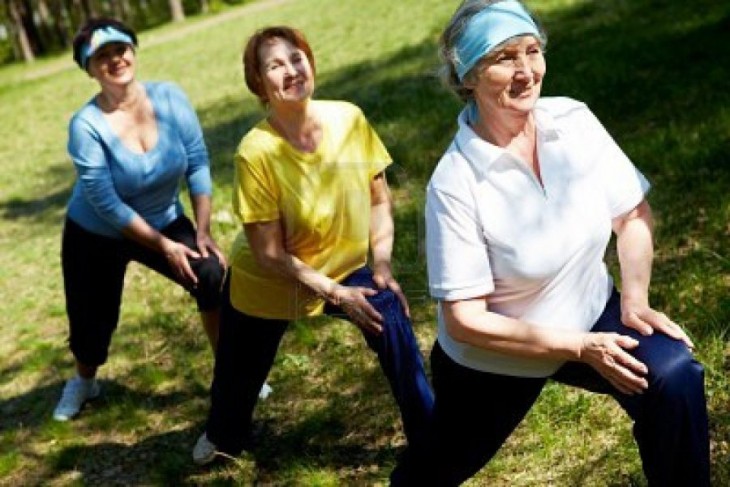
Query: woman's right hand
{"x": 353, "y": 301}
{"x": 177, "y": 255}
{"x": 606, "y": 352}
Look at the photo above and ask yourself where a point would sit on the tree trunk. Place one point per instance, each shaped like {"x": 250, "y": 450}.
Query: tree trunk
{"x": 176, "y": 10}
{"x": 204, "y": 6}
{"x": 20, "y": 33}
{"x": 121, "y": 10}
{"x": 31, "y": 30}
{"x": 60, "y": 22}
{"x": 87, "y": 8}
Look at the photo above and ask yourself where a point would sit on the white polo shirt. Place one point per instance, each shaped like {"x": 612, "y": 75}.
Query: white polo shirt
{"x": 536, "y": 251}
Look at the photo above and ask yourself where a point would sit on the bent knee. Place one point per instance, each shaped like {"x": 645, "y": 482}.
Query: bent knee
{"x": 210, "y": 273}
{"x": 210, "y": 282}
{"x": 385, "y": 300}
{"x": 678, "y": 373}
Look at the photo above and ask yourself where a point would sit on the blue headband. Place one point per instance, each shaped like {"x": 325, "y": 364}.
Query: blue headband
{"x": 490, "y": 28}
{"x": 101, "y": 37}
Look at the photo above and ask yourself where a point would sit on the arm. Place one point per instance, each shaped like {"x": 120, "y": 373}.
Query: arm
{"x": 176, "y": 253}
{"x": 636, "y": 252}
{"x": 470, "y": 321}
{"x": 201, "y": 208}
{"x": 197, "y": 174}
{"x": 266, "y": 241}
{"x": 381, "y": 238}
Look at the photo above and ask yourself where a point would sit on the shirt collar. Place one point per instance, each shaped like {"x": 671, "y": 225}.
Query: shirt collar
{"x": 482, "y": 154}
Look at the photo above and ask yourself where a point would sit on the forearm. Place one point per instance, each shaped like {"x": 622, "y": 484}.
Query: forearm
{"x": 381, "y": 232}
{"x": 472, "y": 323}
{"x": 266, "y": 243}
{"x": 141, "y": 232}
{"x": 293, "y": 268}
{"x": 635, "y": 248}
{"x": 381, "y": 221}
{"x": 202, "y": 209}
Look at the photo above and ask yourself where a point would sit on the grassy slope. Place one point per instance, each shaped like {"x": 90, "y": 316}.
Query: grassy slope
{"x": 651, "y": 71}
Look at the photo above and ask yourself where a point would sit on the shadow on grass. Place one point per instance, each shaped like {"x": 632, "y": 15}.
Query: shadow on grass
{"x": 319, "y": 438}
{"x": 118, "y": 409}
{"x": 34, "y": 409}
{"x": 42, "y": 206}
{"x": 162, "y": 459}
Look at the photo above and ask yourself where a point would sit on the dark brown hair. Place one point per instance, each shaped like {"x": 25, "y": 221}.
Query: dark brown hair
{"x": 252, "y": 61}
{"x": 87, "y": 30}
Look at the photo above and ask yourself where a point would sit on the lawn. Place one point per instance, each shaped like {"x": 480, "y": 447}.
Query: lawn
{"x": 653, "y": 71}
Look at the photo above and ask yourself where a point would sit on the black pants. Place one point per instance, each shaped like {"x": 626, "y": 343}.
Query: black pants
{"x": 476, "y": 411}
{"x": 93, "y": 276}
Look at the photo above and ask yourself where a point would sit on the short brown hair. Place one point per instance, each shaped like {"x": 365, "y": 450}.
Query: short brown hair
{"x": 252, "y": 61}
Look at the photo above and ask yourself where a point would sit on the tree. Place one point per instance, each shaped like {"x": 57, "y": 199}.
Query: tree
{"x": 18, "y": 32}
{"x": 176, "y": 10}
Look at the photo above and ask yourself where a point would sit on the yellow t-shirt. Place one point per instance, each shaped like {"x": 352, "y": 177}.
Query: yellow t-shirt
{"x": 322, "y": 200}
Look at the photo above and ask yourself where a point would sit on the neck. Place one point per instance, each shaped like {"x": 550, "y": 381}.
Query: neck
{"x": 298, "y": 124}
{"x": 503, "y": 131}
{"x": 515, "y": 134}
{"x": 123, "y": 98}
{"x": 294, "y": 118}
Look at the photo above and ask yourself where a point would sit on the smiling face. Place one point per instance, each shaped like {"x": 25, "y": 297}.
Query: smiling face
{"x": 509, "y": 78}
{"x": 285, "y": 72}
{"x": 113, "y": 64}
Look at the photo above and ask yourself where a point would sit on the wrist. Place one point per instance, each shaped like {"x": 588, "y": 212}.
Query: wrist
{"x": 167, "y": 246}
{"x": 637, "y": 298}
{"x": 381, "y": 263}
{"x": 574, "y": 345}
{"x": 331, "y": 293}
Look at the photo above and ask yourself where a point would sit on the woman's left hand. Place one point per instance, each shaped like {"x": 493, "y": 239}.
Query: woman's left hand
{"x": 206, "y": 244}
{"x": 644, "y": 319}
{"x": 383, "y": 278}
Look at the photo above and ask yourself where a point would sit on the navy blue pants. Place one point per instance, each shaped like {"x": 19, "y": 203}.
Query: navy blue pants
{"x": 247, "y": 346}
{"x": 475, "y": 411}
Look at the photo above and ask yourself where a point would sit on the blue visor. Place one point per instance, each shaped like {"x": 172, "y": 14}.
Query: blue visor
{"x": 490, "y": 28}
{"x": 101, "y": 37}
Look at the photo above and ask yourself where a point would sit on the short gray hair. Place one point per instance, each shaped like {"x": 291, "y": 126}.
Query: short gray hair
{"x": 447, "y": 45}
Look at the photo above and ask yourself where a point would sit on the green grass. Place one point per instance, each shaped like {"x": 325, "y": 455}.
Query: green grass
{"x": 653, "y": 72}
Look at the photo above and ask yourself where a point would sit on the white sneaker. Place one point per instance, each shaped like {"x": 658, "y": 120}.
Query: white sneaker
{"x": 266, "y": 389}
{"x": 75, "y": 393}
{"x": 204, "y": 451}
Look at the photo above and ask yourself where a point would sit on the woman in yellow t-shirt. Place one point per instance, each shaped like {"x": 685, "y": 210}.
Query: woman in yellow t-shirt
{"x": 311, "y": 192}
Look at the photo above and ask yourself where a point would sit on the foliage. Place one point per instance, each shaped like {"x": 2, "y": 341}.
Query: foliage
{"x": 48, "y": 26}
{"x": 646, "y": 68}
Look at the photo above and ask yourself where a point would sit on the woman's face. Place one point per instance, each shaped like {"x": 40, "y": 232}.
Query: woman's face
{"x": 510, "y": 78}
{"x": 113, "y": 64}
{"x": 285, "y": 71}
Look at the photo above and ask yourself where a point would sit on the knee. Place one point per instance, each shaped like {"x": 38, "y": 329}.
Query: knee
{"x": 210, "y": 281}
{"x": 210, "y": 274}
{"x": 386, "y": 302}
{"x": 678, "y": 374}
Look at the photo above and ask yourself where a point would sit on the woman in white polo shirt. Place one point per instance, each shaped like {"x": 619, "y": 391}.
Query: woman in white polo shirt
{"x": 519, "y": 213}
